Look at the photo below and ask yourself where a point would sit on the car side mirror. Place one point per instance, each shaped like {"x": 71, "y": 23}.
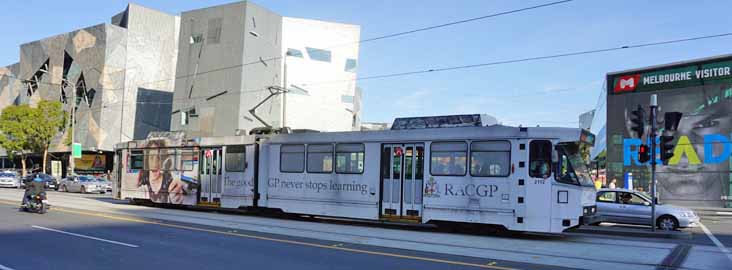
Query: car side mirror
{"x": 646, "y": 203}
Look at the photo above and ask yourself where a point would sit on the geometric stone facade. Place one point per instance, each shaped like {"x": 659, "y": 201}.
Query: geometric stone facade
{"x": 103, "y": 70}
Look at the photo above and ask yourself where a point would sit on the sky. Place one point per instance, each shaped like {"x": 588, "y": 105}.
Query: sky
{"x": 546, "y": 92}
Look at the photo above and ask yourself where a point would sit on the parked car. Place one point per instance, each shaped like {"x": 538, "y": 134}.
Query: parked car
{"x": 50, "y": 182}
{"x": 82, "y": 184}
{"x": 106, "y": 183}
{"x": 9, "y": 179}
{"x": 633, "y": 207}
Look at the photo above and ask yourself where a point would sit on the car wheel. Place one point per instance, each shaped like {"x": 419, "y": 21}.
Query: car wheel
{"x": 82, "y": 189}
{"x": 667, "y": 223}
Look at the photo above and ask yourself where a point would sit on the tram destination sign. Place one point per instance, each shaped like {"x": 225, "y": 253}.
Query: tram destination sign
{"x": 670, "y": 78}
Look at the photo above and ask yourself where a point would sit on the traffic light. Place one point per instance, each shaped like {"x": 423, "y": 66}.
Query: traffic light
{"x": 644, "y": 153}
{"x": 638, "y": 118}
{"x": 671, "y": 124}
{"x": 667, "y": 149}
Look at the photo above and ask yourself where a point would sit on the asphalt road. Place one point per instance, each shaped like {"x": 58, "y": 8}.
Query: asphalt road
{"x": 72, "y": 239}
{"x": 720, "y": 227}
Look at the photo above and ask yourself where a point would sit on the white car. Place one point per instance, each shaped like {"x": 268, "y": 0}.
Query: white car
{"x": 632, "y": 207}
{"x": 82, "y": 184}
{"x": 9, "y": 179}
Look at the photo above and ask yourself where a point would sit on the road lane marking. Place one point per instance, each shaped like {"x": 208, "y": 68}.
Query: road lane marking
{"x": 3, "y": 267}
{"x": 289, "y": 241}
{"x": 86, "y": 236}
{"x": 716, "y": 241}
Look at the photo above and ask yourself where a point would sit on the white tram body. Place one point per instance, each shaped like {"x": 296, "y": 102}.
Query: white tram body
{"x": 525, "y": 179}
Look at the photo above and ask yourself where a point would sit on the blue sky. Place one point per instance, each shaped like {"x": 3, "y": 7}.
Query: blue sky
{"x": 547, "y": 92}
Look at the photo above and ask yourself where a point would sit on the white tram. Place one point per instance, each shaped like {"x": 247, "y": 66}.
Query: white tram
{"x": 525, "y": 179}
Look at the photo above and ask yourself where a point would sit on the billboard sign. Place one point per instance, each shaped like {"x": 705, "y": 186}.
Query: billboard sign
{"x": 700, "y": 173}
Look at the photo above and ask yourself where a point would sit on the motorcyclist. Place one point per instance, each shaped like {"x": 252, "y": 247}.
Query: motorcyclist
{"x": 33, "y": 188}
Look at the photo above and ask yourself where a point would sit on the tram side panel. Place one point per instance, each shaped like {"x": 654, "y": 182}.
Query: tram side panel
{"x": 461, "y": 195}
{"x": 238, "y": 176}
{"x": 161, "y": 175}
{"x": 344, "y": 185}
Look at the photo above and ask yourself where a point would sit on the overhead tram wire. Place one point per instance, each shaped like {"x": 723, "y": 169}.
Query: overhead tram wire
{"x": 595, "y": 51}
{"x": 387, "y": 36}
{"x": 466, "y": 66}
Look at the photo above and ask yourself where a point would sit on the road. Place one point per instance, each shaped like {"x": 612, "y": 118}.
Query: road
{"x": 83, "y": 231}
{"x": 68, "y": 239}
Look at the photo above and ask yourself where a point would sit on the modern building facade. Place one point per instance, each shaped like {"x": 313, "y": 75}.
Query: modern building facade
{"x": 108, "y": 75}
{"x": 700, "y": 172}
{"x": 585, "y": 119}
{"x": 215, "y": 71}
{"x": 240, "y": 57}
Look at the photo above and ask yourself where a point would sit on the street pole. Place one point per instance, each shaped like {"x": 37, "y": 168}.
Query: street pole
{"x": 73, "y": 119}
{"x": 284, "y": 93}
{"x": 654, "y": 110}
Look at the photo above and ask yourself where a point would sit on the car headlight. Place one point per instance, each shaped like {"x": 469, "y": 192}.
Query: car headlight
{"x": 686, "y": 214}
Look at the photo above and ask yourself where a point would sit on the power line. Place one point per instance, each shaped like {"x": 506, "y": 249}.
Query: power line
{"x": 407, "y": 32}
{"x": 432, "y": 70}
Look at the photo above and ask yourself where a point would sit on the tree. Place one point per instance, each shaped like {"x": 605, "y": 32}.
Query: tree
{"x": 25, "y": 130}
{"x": 16, "y": 131}
{"x": 50, "y": 119}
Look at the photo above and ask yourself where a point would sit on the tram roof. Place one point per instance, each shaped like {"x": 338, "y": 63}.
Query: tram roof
{"x": 454, "y": 133}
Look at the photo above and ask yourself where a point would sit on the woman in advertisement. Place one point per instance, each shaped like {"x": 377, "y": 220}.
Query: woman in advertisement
{"x": 156, "y": 178}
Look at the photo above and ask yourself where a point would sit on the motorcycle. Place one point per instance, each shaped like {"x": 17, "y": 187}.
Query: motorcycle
{"x": 37, "y": 203}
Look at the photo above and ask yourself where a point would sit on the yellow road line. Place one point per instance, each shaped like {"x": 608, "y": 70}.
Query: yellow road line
{"x": 279, "y": 240}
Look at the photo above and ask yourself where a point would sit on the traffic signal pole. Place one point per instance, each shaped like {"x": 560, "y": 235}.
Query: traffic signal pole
{"x": 652, "y": 135}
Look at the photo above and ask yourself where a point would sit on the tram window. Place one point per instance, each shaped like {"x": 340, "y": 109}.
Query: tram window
{"x": 350, "y": 158}
{"x": 167, "y": 159}
{"x": 385, "y": 159}
{"x": 235, "y": 158}
{"x": 448, "y": 158}
{"x": 137, "y": 160}
{"x": 152, "y": 160}
{"x": 292, "y": 158}
{"x": 540, "y": 158}
{"x": 419, "y": 159}
{"x": 490, "y": 158}
{"x": 187, "y": 158}
{"x": 320, "y": 158}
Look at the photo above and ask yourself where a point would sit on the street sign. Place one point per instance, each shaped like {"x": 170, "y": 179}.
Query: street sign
{"x": 76, "y": 150}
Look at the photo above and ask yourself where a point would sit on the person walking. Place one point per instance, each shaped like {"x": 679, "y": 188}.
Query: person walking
{"x": 613, "y": 183}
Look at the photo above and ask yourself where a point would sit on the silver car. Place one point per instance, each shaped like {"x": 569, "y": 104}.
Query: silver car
{"x": 633, "y": 207}
{"x": 9, "y": 179}
{"x": 82, "y": 184}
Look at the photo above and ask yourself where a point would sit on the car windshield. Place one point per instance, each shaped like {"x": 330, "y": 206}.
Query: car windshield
{"x": 86, "y": 179}
{"x": 579, "y": 172}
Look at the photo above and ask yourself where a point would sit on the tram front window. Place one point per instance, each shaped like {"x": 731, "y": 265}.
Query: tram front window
{"x": 572, "y": 167}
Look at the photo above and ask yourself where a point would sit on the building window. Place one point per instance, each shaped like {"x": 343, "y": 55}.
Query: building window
{"x": 318, "y": 54}
{"x": 292, "y": 158}
{"x": 490, "y": 158}
{"x": 294, "y": 52}
{"x": 235, "y": 158}
{"x": 320, "y": 158}
{"x": 350, "y": 65}
{"x": 448, "y": 158}
{"x": 214, "y": 31}
{"x": 350, "y": 158}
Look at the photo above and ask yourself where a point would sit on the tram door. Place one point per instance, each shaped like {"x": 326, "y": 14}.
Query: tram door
{"x": 211, "y": 179}
{"x": 402, "y": 177}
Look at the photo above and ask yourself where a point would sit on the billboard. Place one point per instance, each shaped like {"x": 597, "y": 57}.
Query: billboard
{"x": 91, "y": 162}
{"x": 700, "y": 172}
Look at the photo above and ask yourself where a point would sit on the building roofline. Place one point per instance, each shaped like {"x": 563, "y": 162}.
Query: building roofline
{"x": 668, "y": 65}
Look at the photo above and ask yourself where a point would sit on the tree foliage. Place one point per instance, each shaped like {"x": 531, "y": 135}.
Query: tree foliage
{"x": 16, "y": 129}
{"x": 24, "y": 129}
